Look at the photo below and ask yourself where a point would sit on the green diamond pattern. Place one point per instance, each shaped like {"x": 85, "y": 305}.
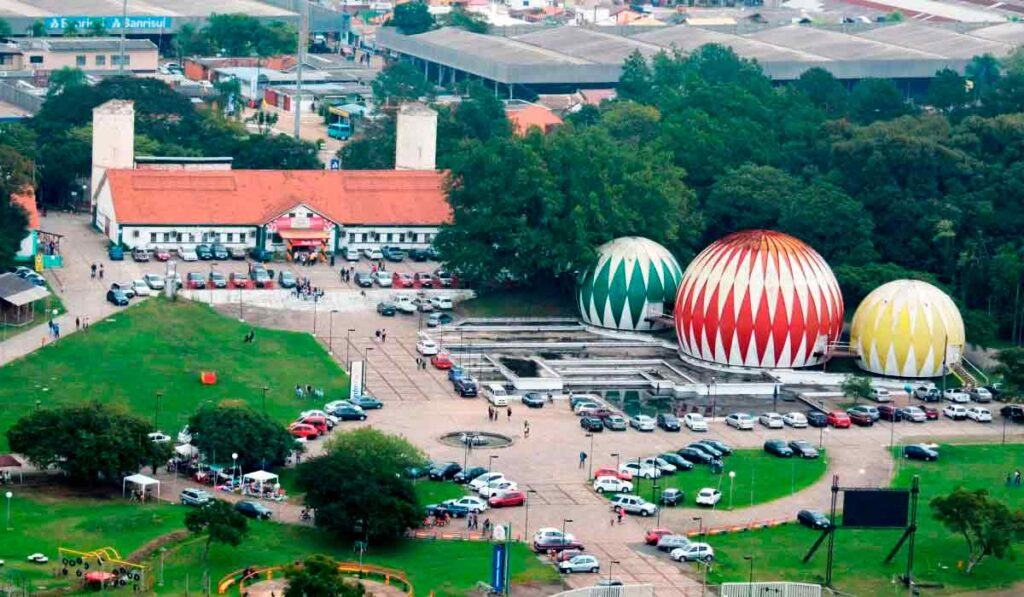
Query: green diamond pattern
{"x": 586, "y": 293}
{"x": 637, "y": 294}
{"x": 618, "y": 291}
{"x": 618, "y": 282}
{"x": 655, "y": 289}
{"x": 601, "y": 288}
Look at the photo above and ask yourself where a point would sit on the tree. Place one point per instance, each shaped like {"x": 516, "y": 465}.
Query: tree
{"x": 13, "y": 229}
{"x": 259, "y": 441}
{"x": 412, "y": 18}
{"x": 399, "y": 81}
{"x": 746, "y": 198}
{"x": 373, "y": 148}
{"x": 277, "y": 152}
{"x": 65, "y": 78}
{"x": 983, "y": 73}
{"x": 37, "y": 29}
{"x": 824, "y": 90}
{"x": 876, "y": 99}
{"x": 988, "y": 527}
{"x": 189, "y": 41}
{"x": 835, "y": 224}
{"x": 635, "y": 80}
{"x": 97, "y": 28}
{"x": 1011, "y": 369}
{"x": 219, "y": 522}
{"x": 857, "y": 280}
{"x": 473, "y": 22}
{"x": 857, "y": 387}
{"x": 318, "y": 576}
{"x": 948, "y": 90}
{"x": 5, "y": 29}
{"x": 263, "y": 120}
{"x": 358, "y": 488}
{"x": 89, "y": 442}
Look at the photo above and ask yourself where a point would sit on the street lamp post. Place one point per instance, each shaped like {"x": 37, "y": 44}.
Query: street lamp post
{"x": 9, "y": 495}
{"x": 241, "y": 310}
{"x": 366, "y": 368}
{"x": 526, "y": 527}
{"x": 348, "y": 344}
{"x": 564, "y": 522}
{"x": 330, "y": 333}
{"x": 616, "y": 455}
{"x": 490, "y": 461}
{"x": 213, "y": 264}
{"x": 750, "y": 577}
{"x": 714, "y": 397}
{"x": 700, "y": 526}
{"x": 234, "y": 466}
{"x": 315, "y": 301}
{"x": 610, "y": 564}
{"x": 655, "y": 487}
{"x": 590, "y": 469}
{"x": 732, "y": 483}
{"x": 636, "y": 486}
{"x": 156, "y": 412}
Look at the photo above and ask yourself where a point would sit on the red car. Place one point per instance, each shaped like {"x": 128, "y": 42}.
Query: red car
{"x": 423, "y": 280}
{"x": 567, "y": 554}
{"x": 838, "y": 419}
{"x": 161, "y": 254}
{"x": 652, "y": 536}
{"x": 240, "y": 281}
{"x": 509, "y": 498}
{"x": 597, "y": 412}
{"x": 303, "y": 430}
{"x": 401, "y": 280}
{"x": 609, "y": 471}
{"x": 318, "y": 423}
{"x": 930, "y": 413}
{"x": 441, "y": 360}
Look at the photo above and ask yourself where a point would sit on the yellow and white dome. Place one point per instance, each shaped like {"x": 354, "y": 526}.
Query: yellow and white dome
{"x": 905, "y": 328}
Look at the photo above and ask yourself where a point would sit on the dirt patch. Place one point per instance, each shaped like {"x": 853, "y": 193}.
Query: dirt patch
{"x": 152, "y": 545}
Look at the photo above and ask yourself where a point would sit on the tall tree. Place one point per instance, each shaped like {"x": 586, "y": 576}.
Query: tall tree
{"x": 1011, "y": 369}
{"x": 65, "y": 78}
{"x": 218, "y": 522}
{"x": 259, "y": 441}
{"x": 835, "y": 224}
{"x": 636, "y": 78}
{"x": 948, "y": 90}
{"x": 277, "y": 152}
{"x": 411, "y": 18}
{"x": 824, "y": 91}
{"x": 988, "y": 526}
{"x": 857, "y": 387}
{"x": 5, "y": 29}
{"x": 71, "y": 29}
{"x": 318, "y": 576}
{"x": 983, "y": 72}
{"x": 37, "y": 29}
{"x": 399, "y": 81}
{"x": 876, "y": 99}
{"x": 746, "y": 198}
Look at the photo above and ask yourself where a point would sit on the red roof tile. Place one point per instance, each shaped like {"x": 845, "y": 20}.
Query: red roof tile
{"x": 253, "y": 197}
{"x": 27, "y": 200}
{"x": 533, "y": 115}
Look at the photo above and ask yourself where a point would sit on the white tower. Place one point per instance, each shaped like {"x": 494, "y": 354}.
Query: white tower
{"x": 416, "y": 139}
{"x": 113, "y": 140}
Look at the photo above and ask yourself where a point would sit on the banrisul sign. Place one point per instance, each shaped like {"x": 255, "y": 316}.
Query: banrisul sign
{"x": 109, "y": 23}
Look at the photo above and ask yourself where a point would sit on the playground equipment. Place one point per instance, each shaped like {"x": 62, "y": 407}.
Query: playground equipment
{"x": 388, "y": 576}
{"x": 104, "y": 567}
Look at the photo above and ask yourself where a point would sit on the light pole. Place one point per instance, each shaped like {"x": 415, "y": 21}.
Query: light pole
{"x": 636, "y": 486}
{"x": 265, "y": 390}
{"x": 565, "y": 521}
{"x": 156, "y": 412}
{"x": 700, "y": 526}
{"x": 590, "y": 469}
{"x": 750, "y": 577}
{"x": 490, "y": 461}
{"x": 610, "y": 564}
{"x": 234, "y": 466}
{"x": 213, "y": 264}
{"x": 348, "y": 344}
{"x": 366, "y": 369}
{"x": 315, "y": 301}
{"x": 655, "y": 487}
{"x": 241, "y": 311}
{"x": 526, "y": 527}
{"x": 616, "y": 455}
{"x": 330, "y": 333}
{"x": 714, "y": 397}
{"x": 732, "y": 483}
{"x": 9, "y": 495}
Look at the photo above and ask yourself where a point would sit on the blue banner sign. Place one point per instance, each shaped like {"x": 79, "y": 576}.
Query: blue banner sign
{"x": 498, "y": 568}
{"x": 109, "y": 23}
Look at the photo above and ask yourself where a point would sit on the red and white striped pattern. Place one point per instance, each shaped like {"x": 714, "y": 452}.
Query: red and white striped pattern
{"x": 758, "y": 298}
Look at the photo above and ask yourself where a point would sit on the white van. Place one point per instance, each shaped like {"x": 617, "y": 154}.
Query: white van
{"x": 351, "y": 254}
{"x": 496, "y": 394}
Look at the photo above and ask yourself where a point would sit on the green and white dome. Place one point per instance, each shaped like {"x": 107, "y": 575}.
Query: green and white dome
{"x": 630, "y": 283}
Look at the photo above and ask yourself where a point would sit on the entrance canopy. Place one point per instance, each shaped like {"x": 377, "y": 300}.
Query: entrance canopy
{"x": 142, "y": 482}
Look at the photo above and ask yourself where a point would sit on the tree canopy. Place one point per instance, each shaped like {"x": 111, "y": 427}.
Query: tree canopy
{"x": 218, "y": 522}
{"x": 318, "y": 576}
{"x": 237, "y": 35}
{"x": 411, "y": 18}
{"x": 988, "y": 526}
{"x": 260, "y": 441}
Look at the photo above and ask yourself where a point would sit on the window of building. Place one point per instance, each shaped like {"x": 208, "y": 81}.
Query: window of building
{"x": 230, "y": 237}
{"x": 101, "y": 60}
{"x": 389, "y": 237}
{"x": 365, "y": 235}
{"x": 401, "y": 237}
{"x": 276, "y": 239}
{"x": 35, "y": 59}
{"x": 241, "y": 237}
{"x": 351, "y": 237}
{"x": 167, "y": 237}
{"x": 135, "y": 234}
{"x": 152, "y": 237}
{"x": 115, "y": 59}
{"x": 80, "y": 60}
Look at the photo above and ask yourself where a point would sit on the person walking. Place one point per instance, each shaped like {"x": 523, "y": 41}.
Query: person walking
{"x": 78, "y": 324}
{"x": 526, "y": 429}
{"x": 509, "y": 412}
{"x": 101, "y": 271}
{"x": 618, "y": 514}
{"x": 92, "y": 270}
{"x": 583, "y": 458}
{"x": 490, "y": 417}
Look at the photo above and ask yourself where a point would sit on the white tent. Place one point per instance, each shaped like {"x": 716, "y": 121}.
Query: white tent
{"x": 260, "y": 478}
{"x": 186, "y": 450}
{"x": 142, "y": 481}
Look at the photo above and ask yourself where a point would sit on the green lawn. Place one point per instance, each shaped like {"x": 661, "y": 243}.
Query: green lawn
{"x": 858, "y": 554}
{"x": 448, "y": 567}
{"x": 161, "y": 346}
{"x": 769, "y": 477}
{"x": 435, "y": 492}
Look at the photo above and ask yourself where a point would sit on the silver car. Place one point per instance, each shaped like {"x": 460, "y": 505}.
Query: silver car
{"x": 642, "y": 423}
{"x": 670, "y": 542}
{"x": 154, "y": 281}
{"x": 580, "y": 563}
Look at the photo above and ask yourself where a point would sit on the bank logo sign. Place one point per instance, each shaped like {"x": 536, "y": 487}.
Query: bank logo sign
{"x": 109, "y": 23}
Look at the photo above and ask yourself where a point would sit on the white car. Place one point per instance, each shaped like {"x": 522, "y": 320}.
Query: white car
{"x": 693, "y": 552}
{"x": 612, "y": 485}
{"x": 795, "y": 420}
{"x": 580, "y": 563}
{"x": 644, "y": 471}
{"x": 382, "y": 278}
{"x": 881, "y": 395}
{"x": 351, "y": 254}
{"x": 585, "y": 404}
{"x": 708, "y": 496}
{"x": 740, "y": 421}
{"x": 475, "y": 504}
{"x": 914, "y": 414}
{"x": 442, "y": 303}
{"x": 495, "y": 487}
{"x": 955, "y": 412}
{"x": 956, "y": 395}
{"x": 38, "y": 558}
{"x": 661, "y": 464}
{"x": 373, "y": 254}
{"x": 979, "y": 414}
{"x": 484, "y": 479}
{"x": 642, "y": 423}
{"x": 154, "y": 281}
{"x": 426, "y": 347}
{"x": 695, "y": 422}
{"x": 545, "y": 533}
{"x": 187, "y": 254}
{"x": 404, "y": 303}
{"x": 980, "y": 395}
{"x": 771, "y": 420}
{"x": 319, "y": 413}
{"x": 158, "y": 438}
{"x": 141, "y": 288}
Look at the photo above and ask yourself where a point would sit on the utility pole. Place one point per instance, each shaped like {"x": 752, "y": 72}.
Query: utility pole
{"x": 300, "y": 55}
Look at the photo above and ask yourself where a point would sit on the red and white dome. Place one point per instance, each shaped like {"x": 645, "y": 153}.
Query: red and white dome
{"x": 758, "y": 298}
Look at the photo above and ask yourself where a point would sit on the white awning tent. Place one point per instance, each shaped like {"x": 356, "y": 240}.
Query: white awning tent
{"x": 186, "y": 450}
{"x": 142, "y": 482}
{"x": 260, "y": 478}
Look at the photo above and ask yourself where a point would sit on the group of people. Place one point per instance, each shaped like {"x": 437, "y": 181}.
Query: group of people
{"x": 1015, "y": 479}
{"x": 306, "y": 258}
{"x": 309, "y": 392}
{"x": 94, "y": 271}
{"x": 473, "y": 522}
{"x": 381, "y": 335}
{"x": 304, "y": 289}
{"x": 421, "y": 363}
{"x": 54, "y": 329}
{"x": 345, "y": 274}
{"x": 493, "y": 413}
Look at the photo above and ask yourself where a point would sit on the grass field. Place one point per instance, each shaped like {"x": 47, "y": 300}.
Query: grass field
{"x": 858, "y": 554}
{"x": 160, "y": 346}
{"x": 435, "y": 492}
{"x": 760, "y": 478}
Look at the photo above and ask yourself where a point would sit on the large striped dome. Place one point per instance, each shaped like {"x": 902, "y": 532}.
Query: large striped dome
{"x": 758, "y": 298}
{"x": 630, "y": 283}
{"x": 904, "y": 328}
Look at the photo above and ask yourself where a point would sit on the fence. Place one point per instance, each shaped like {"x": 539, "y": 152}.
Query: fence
{"x": 769, "y": 589}
{"x": 24, "y": 100}
{"x": 623, "y": 591}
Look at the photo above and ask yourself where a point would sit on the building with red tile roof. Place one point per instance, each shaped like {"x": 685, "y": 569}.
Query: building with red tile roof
{"x": 524, "y": 117}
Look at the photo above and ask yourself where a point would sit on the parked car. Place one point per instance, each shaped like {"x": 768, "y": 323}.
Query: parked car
{"x": 724, "y": 448}
{"x": 187, "y": 254}
{"x": 1013, "y": 412}
{"x": 708, "y": 497}
{"x": 425, "y": 346}
{"x": 261, "y": 255}
{"x": 612, "y": 485}
{"x": 453, "y": 510}
{"x": 839, "y": 419}
{"x": 890, "y": 412}
{"x": 442, "y": 303}
{"x": 441, "y": 361}
{"x": 920, "y": 452}
{"x": 652, "y": 536}
{"x": 404, "y": 304}
{"x": 979, "y": 414}
{"x": 466, "y": 387}
{"x": 194, "y": 497}
{"x": 204, "y": 252}
{"x": 220, "y": 252}
{"x": 871, "y": 411}
{"x": 424, "y": 280}
{"x": 498, "y": 487}
{"x": 140, "y": 254}
{"x": 771, "y": 420}
{"x": 363, "y": 279}
{"x": 668, "y": 422}
{"x": 695, "y": 422}
{"x": 643, "y": 471}
{"x": 803, "y": 448}
{"x": 957, "y": 395}
{"x": 140, "y": 288}
{"x": 695, "y": 455}
{"x": 981, "y": 395}
{"x": 927, "y": 394}
{"x": 154, "y": 281}
{"x": 125, "y": 287}
{"x": 401, "y": 280}
{"x": 932, "y": 414}
{"x": 387, "y": 309}
{"x": 218, "y": 280}
{"x": 634, "y": 504}
{"x": 880, "y": 395}
{"x": 642, "y": 423}
{"x": 161, "y": 254}
{"x": 253, "y": 509}
{"x": 419, "y": 255}
{"x": 693, "y": 552}
{"x": 677, "y": 461}
{"x": 382, "y": 279}
{"x": 813, "y": 519}
{"x": 286, "y": 279}
{"x": 740, "y": 421}
{"x": 955, "y": 412}
{"x": 236, "y": 253}
{"x": 533, "y": 400}
{"x": 795, "y": 420}
{"x": 117, "y": 297}
{"x": 508, "y": 499}
{"x": 195, "y": 280}
{"x": 672, "y": 496}
{"x": 610, "y": 471}
{"x": 393, "y": 254}
{"x": 913, "y": 414}
{"x": 706, "y": 448}
{"x": 816, "y": 418}
{"x": 484, "y": 479}
{"x": 115, "y": 253}
{"x": 592, "y": 423}
{"x": 348, "y": 412}
{"x": 860, "y": 417}
{"x": 436, "y": 319}
{"x": 374, "y": 254}
{"x": 303, "y": 431}
{"x": 581, "y": 563}
{"x": 670, "y": 542}
{"x": 444, "y": 471}
{"x": 551, "y": 543}
{"x": 666, "y": 467}
{"x": 467, "y": 475}
{"x": 778, "y": 447}
{"x": 615, "y": 423}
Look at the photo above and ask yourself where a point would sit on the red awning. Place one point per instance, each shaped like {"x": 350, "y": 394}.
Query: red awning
{"x": 305, "y": 242}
